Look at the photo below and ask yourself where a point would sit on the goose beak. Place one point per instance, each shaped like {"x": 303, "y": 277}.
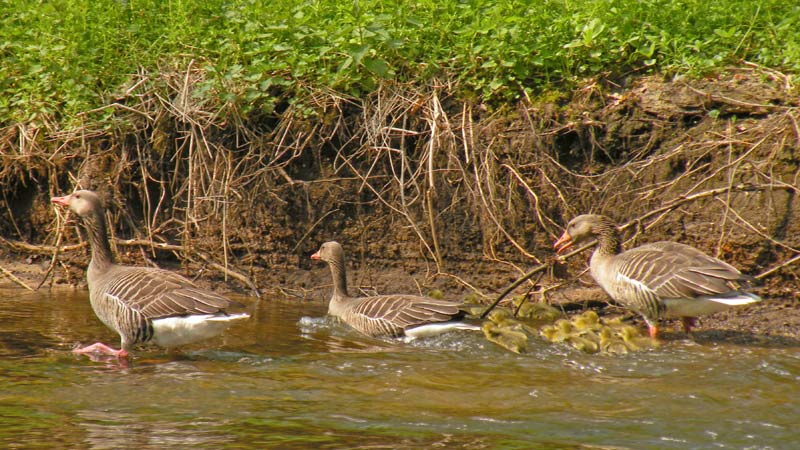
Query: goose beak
{"x": 316, "y": 256}
{"x": 62, "y": 201}
{"x": 563, "y": 243}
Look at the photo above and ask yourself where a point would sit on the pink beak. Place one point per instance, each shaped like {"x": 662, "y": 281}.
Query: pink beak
{"x": 316, "y": 256}
{"x": 563, "y": 243}
{"x": 62, "y": 201}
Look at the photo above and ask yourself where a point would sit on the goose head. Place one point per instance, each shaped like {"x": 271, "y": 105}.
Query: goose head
{"x": 80, "y": 202}
{"x": 328, "y": 252}
{"x": 583, "y": 228}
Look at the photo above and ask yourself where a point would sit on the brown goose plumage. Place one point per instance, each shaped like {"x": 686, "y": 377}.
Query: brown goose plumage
{"x": 662, "y": 279}
{"x": 142, "y": 304}
{"x": 386, "y": 315}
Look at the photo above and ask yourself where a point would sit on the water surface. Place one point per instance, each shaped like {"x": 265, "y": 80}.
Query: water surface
{"x": 290, "y": 379}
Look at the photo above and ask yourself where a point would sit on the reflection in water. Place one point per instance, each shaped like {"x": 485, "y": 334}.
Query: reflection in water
{"x": 290, "y": 378}
{"x": 110, "y": 429}
{"x": 339, "y": 338}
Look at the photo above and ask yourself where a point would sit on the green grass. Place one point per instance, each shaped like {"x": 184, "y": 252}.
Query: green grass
{"x": 62, "y": 57}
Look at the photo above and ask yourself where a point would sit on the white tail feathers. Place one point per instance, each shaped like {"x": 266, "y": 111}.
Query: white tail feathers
{"x": 182, "y": 330}
{"x": 742, "y": 299}
{"x": 435, "y": 329}
{"x": 227, "y": 317}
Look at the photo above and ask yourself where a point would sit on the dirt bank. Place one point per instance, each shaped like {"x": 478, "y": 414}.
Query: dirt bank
{"x": 427, "y": 192}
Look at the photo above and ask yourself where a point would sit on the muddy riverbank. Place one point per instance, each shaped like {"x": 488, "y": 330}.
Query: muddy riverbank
{"x": 429, "y": 193}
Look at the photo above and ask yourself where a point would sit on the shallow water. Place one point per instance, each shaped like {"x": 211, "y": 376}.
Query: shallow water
{"x": 289, "y": 379}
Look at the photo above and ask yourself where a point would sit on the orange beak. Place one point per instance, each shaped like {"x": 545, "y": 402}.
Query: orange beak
{"x": 61, "y": 201}
{"x": 316, "y": 256}
{"x": 563, "y": 243}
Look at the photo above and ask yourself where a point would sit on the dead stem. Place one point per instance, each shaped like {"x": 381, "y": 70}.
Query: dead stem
{"x": 13, "y": 278}
{"x": 408, "y": 168}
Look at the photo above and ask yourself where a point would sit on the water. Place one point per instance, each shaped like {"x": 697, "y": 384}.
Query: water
{"x": 290, "y": 379}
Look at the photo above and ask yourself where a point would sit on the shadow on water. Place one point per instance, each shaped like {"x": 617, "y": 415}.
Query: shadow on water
{"x": 290, "y": 378}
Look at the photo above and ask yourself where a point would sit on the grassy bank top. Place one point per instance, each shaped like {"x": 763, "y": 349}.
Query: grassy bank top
{"x": 63, "y": 57}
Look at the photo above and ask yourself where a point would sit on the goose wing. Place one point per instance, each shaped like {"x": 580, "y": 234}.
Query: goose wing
{"x": 393, "y": 314}
{"x": 674, "y": 270}
{"x": 157, "y": 293}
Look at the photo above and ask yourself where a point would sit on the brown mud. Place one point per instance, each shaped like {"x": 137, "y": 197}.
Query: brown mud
{"x": 426, "y": 192}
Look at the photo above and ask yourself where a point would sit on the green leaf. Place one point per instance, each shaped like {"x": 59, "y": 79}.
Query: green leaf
{"x": 376, "y": 66}
{"x": 358, "y": 52}
{"x": 496, "y": 84}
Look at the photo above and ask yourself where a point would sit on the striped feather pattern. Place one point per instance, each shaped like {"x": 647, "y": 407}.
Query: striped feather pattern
{"x": 382, "y": 315}
{"x": 159, "y": 293}
{"x": 672, "y": 269}
{"x": 391, "y": 315}
{"x": 646, "y": 275}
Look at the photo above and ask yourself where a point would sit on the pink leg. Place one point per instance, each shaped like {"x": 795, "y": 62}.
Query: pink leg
{"x": 101, "y": 348}
{"x": 652, "y": 327}
{"x": 688, "y": 323}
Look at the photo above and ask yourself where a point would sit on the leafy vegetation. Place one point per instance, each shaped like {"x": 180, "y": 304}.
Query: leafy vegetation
{"x": 63, "y": 57}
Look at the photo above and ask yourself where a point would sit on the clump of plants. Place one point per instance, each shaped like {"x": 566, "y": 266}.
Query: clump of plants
{"x": 66, "y": 60}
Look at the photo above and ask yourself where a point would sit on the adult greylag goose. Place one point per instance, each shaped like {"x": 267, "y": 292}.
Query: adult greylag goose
{"x": 143, "y": 304}
{"x": 387, "y": 315}
{"x": 659, "y": 280}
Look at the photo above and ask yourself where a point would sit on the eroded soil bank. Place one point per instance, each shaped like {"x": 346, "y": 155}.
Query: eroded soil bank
{"x": 427, "y": 192}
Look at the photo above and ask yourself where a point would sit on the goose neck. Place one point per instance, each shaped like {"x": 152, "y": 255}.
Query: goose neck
{"x": 339, "y": 275}
{"x": 95, "y": 226}
{"x": 608, "y": 242}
